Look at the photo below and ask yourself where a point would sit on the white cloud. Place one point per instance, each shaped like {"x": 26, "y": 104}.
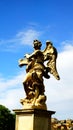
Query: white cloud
{"x": 59, "y": 93}
{"x": 11, "y": 90}
{"x": 28, "y": 36}
{"x": 21, "y": 38}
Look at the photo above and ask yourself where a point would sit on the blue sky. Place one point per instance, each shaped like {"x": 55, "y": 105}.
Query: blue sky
{"x": 22, "y": 21}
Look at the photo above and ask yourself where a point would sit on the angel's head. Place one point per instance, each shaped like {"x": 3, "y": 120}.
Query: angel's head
{"x": 37, "y": 44}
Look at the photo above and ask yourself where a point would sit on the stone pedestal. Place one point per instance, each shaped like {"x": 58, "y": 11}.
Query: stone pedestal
{"x": 33, "y": 119}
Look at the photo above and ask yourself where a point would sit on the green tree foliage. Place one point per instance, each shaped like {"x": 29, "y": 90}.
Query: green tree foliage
{"x": 7, "y": 119}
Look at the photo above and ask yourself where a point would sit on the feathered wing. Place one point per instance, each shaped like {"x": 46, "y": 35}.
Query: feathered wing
{"x": 50, "y": 55}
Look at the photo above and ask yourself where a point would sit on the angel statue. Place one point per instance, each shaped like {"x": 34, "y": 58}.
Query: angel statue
{"x": 36, "y": 71}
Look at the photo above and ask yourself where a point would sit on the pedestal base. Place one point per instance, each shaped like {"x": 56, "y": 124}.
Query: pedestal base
{"x": 33, "y": 119}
